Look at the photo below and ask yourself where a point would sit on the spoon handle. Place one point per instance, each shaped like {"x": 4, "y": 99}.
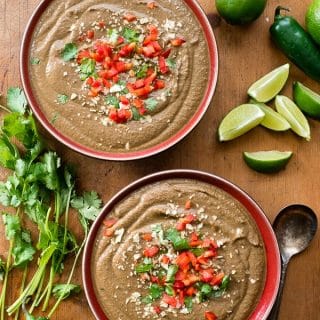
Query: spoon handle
{"x": 276, "y": 307}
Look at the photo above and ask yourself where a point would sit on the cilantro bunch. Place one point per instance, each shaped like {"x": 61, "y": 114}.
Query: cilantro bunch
{"x": 42, "y": 189}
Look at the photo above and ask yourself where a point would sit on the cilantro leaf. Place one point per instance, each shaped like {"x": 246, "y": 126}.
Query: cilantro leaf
{"x": 216, "y": 293}
{"x": 35, "y": 61}
{"x": 142, "y": 268}
{"x": 63, "y": 291}
{"x": 188, "y": 303}
{"x": 16, "y": 100}
{"x": 155, "y": 291}
{"x": 135, "y": 114}
{"x": 88, "y": 205}
{"x": 62, "y": 98}
{"x": 87, "y": 68}
{"x": 113, "y": 35}
{"x": 69, "y": 52}
{"x": 130, "y": 35}
{"x": 23, "y": 250}
{"x": 9, "y": 154}
{"x": 112, "y": 101}
{"x": 151, "y": 104}
{"x": 178, "y": 242}
{"x": 172, "y": 270}
{"x": 141, "y": 71}
{"x": 171, "y": 63}
{"x": 51, "y": 163}
{"x": 12, "y": 225}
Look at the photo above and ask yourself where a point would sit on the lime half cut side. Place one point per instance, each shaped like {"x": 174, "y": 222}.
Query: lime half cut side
{"x": 307, "y": 100}
{"x": 272, "y": 120}
{"x": 298, "y": 122}
{"x": 239, "y": 121}
{"x": 266, "y": 88}
{"x": 267, "y": 161}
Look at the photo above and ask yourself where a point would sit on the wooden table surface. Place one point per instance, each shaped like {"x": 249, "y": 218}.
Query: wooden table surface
{"x": 246, "y": 53}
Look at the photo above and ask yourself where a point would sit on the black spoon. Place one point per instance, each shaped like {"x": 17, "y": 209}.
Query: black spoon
{"x": 295, "y": 227}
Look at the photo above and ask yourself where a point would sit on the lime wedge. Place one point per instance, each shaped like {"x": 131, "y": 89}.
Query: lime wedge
{"x": 267, "y": 161}
{"x": 299, "y": 123}
{"x": 269, "y": 85}
{"x": 239, "y": 121}
{"x": 272, "y": 120}
{"x": 307, "y": 100}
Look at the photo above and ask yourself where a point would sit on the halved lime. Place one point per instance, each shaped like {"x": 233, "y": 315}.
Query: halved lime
{"x": 299, "y": 123}
{"x": 306, "y": 99}
{"x": 269, "y": 85}
{"x": 267, "y": 161}
{"x": 239, "y": 121}
{"x": 272, "y": 120}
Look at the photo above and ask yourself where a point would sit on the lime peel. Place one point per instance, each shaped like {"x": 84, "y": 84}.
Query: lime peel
{"x": 239, "y": 121}
{"x": 267, "y": 161}
{"x": 299, "y": 123}
{"x": 267, "y": 87}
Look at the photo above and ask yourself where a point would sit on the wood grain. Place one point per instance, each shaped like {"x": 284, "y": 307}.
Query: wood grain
{"x": 246, "y": 53}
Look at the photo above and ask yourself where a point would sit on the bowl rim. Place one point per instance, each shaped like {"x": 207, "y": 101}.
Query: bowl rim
{"x": 273, "y": 260}
{"x": 134, "y": 155}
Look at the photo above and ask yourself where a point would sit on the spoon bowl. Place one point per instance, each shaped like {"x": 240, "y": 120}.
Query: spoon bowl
{"x": 295, "y": 226}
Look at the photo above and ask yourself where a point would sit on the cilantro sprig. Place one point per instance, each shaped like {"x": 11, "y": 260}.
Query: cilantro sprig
{"x": 40, "y": 187}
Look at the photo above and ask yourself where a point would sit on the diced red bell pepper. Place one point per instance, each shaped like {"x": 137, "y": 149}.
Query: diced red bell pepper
{"x": 187, "y": 205}
{"x": 151, "y": 251}
{"x": 202, "y": 260}
{"x": 110, "y": 222}
{"x": 93, "y": 92}
{"x": 89, "y": 81}
{"x": 148, "y": 51}
{"x": 142, "y": 110}
{"x": 153, "y": 32}
{"x": 190, "y": 280}
{"x": 138, "y": 103}
{"x": 210, "y": 316}
{"x": 216, "y": 281}
{"x": 147, "y": 236}
{"x": 138, "y": 84}
{"x": 127, "y": 50}
{"x": 120, "y": 66}
{"x": 150, "y": 78}
{"x": 177, "y": 42}
{"x": 180, "y": 226}
{"x": 180, "y": 275}
{"x": 191, "y": 291}
{"x": 206, "y": 243}
{"x": 166, "y": 53}
{"x": 151, "y": 5}
{"x": 115, "y": 78}
{"x": 183, "y": 260}
{"x": 126, "y": 101}
{"x": 181, "y": 297}
{"x": 163, "y": 65}
{"x": 101, "y": 24}
{"x": 159, "y": 84}
{"x": 129, "y": 17}
{"x": 189, "y": 218}
{"x": 82, "y": 55}
{"x": 210, "y": 253}
{"x": 106, "y": 83}
{"x": 165, "y": 259}
{"x": 143, "y": 91}
{"x": 157, "y": 309}
{"x": 171, "y": 301}
{"x": 113, "y": 114}
{"x": 156, "y": 45}
{"x": 192, "y": 257}
{"x": 124, "y": 115}
{"x": 154, "y": 279}
{"x": 178, "y": 284}
{"x": 206, "y": 275}
{"x": 120, "y": 40}
{"x": 90, "y": 34}
{"x": 108, "y": 232}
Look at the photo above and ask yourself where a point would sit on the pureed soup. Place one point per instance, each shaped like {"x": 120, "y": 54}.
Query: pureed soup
{"x": 119, "y": 76}
{"x": 178, "y": 249}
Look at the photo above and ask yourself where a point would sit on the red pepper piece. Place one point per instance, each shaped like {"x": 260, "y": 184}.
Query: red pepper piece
{"x": 166, "y": 53}
{"x": 146, "y": 236}
{"x": 183, "y": 260}
{"x": 129, "y": 17}
{"x": 148, "y": 51}
{"x": 101, "y": 24}
{"x": 159, "y": 84}
{"x": 82, "y": 55}
{"x": 110, "y": 222}
{"x": 163, "y": 65}
{"x": 177, "y": 42}
{"x": 113, "y": 114}
{"x": 157, "y": 309}
{"x": 108, "y": 232}
{"x": 150, "y": 78}
{"x": 191, "y": 291}
{"x": 142, "y": 110}
{"x": 202, "y": 260}
{"x": 206, "y": 275}
{"x": 127, "y": 50}
{"x": 151, "y": 251}
{"x": 192, "y": 257}
{"x": 210, "y": 253}
{"x": 171, "y": 301}
{"x": 90, "y": 34}
{"x": 180, "y": 226}
{"x": 216, "y": 281}
{"x": 123, "y": 115}
{"x": 153, "y": 32}
{"x": 210, "y": 316}
{"x": 190, "y": 280}
{"x": 165, "y": 259}
{"x": 138, "y": 103}
{"x": 156, "y": 45}
{"x": 138, "y": 84}
{"x": 120, "y": 40}
{"x": 126, "y": 101}
{"x": 188, "y": 204}
{"x": 151, "y": 5}
{"x": 143, "y": 91}
{"x": 189, "y": 218}
{"x": 178, "y": 284}
{"x": 89, "y": 81}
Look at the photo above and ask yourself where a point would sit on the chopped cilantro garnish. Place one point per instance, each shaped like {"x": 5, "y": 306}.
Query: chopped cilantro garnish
{"x": 135, "y": 114}
{"x": 63, "y": 291}
{"x": 147, "y": 300}
{"x": 16, "y": 100}
{"x": 142, "y": 268}
{"x": 169, "y": 290}
{"x": 34, "y": 61}
{"x": 112, "y": 101}
{"x": 172, "y": 270}
{"x": 151, "y": 104}
{"x": 54, "y": 118}
{"x": 188, "y": 303}
{"x": 141, "y": 71}
{"x": 216, "y": 293}
{"x": 130, "y": 35}
{"x": 69, "y": 52}
{"x": 87, "y": 68}
{"x": 62, "y": 98}
{"x": 171, "y": 63}
{"x": 155, "y": 291}
{"x": 197, "y": 251}
{"x": 178, "y": 242}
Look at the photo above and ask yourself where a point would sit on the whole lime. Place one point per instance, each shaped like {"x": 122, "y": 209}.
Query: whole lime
{"x": 313, "y": 20}
{"x": 240, "y": 11}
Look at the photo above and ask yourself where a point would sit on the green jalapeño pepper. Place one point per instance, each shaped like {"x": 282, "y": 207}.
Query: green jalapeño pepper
{"x": 296, "y": 43}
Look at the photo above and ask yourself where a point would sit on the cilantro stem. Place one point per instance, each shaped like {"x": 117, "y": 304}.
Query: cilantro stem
{"x": 4, "y": 108}
{"x": 4, "y": 287}
{"x": 24, "y": 277}
{"x": 36, "y": 300}
{"x": 49, "y": 286}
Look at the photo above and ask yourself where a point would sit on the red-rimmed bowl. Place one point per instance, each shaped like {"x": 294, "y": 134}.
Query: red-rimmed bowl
{"x": 273, "y": 263}
{"x": 185, "y": 130}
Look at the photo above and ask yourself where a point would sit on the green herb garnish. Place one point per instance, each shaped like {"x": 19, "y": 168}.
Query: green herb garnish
{"x": 87, "y": 68}
{"x": 63, "y": 291}
{"x": 172, "y": 270}
{"x": 112, "y": 101}
{"x": 16, "y": 100}
{"x": 171, "y": 63}
{"x": 35, "y": 61}
{"x": 130, "y": 35}
{"x": 178, "y": 242}
{"x": 62, "y": 98}
{"x": 69, "y": 52}
{"x": 141, "y": 71}
{"x": 142, "y": 268}
{"x": 151, "y": 104}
